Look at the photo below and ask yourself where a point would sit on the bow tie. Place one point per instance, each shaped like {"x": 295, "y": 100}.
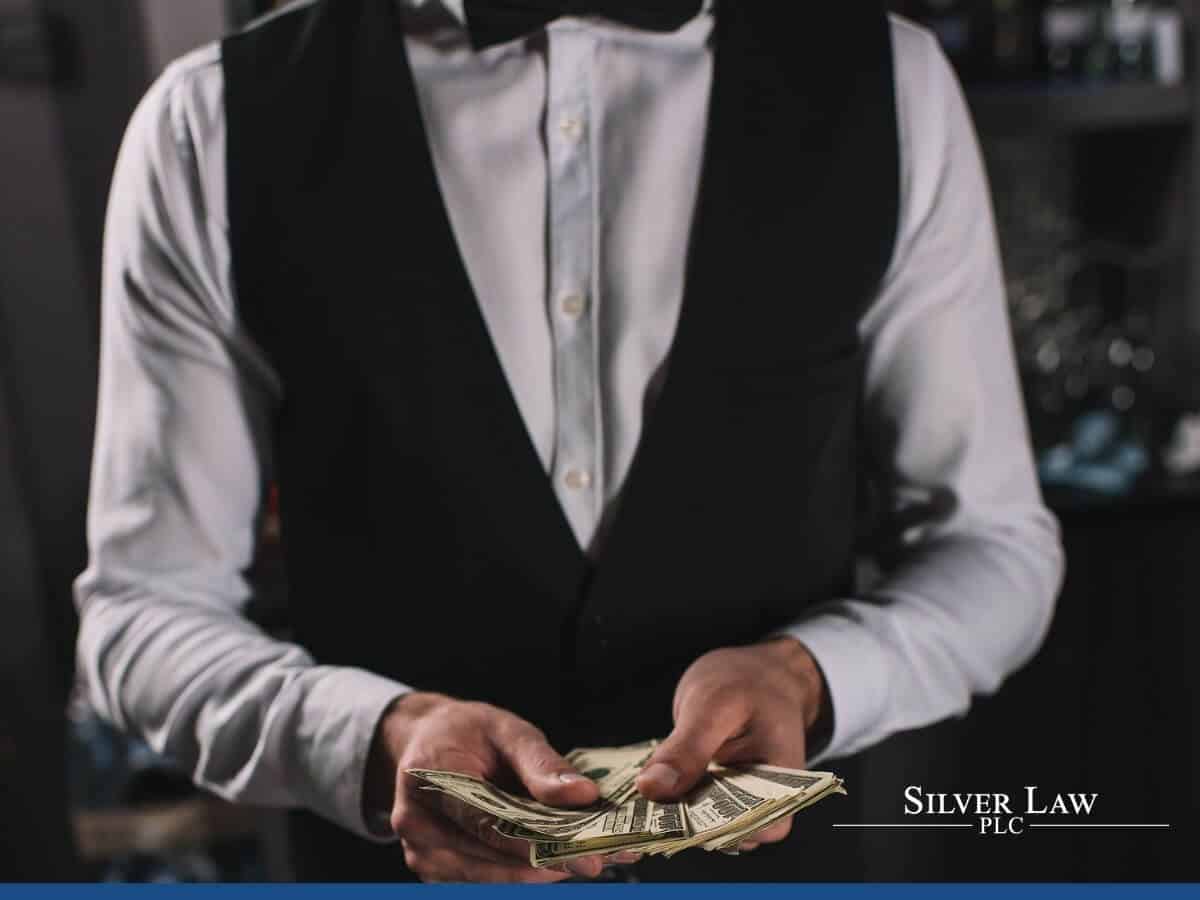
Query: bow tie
{"x": 494, "y": 22}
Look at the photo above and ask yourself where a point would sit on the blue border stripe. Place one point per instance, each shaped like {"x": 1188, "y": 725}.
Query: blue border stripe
{"x": 642, "y": 891}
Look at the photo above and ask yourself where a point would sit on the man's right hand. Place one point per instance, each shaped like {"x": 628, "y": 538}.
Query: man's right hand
{"x": 443, "y": 839}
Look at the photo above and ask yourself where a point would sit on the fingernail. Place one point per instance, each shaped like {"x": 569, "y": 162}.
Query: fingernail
{"x": 661, "y": 776}
{"x": 570, "y": 777}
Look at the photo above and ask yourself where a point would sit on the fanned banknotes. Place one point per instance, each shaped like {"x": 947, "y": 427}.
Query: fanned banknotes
{"x": 728, "y": 806}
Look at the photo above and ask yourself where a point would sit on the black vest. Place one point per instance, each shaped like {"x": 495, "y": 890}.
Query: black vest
{"x": 424, "y": 540}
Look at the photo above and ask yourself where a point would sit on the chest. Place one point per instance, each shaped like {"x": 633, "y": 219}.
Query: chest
{"x": 750, "y": 242}
{"x": 569, "y": 167}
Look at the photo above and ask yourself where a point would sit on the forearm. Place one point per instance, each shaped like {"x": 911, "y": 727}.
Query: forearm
{"x": 183, "y": 449}
{"x": 251, "y": 718}
{"x": 952, "y": 623}
{"x": 972, "y": 555}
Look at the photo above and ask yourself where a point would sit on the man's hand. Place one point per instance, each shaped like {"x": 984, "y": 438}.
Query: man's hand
{"x": 443, "y": 839}
{"x": 745, "y": 704}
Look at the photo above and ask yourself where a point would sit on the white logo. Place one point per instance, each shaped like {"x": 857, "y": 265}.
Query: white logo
{"x": 997, "y": 813}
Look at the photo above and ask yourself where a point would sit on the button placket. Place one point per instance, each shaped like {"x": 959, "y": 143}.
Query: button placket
{"x": 572, "y": 269}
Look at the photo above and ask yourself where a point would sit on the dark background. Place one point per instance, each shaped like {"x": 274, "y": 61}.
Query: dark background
{"x": 1095, "y": 181}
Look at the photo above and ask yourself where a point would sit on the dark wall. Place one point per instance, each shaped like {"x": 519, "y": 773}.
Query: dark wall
{"x": 60, "y": 132}
{"x": 56, "y": 159}
{"x": 1110, "y": 705}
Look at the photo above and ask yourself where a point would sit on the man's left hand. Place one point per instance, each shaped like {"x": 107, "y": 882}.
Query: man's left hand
{"x": 739, "y": 705}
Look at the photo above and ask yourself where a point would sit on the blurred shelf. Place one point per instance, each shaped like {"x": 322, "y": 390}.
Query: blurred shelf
{"x": 113, "y": 833}
{"x": 1153, "y": 499}
{"x": 1033, "y": 108}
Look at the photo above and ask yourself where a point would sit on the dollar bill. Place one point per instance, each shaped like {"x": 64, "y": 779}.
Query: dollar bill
{"x": 613, "y": 769}
{"x": 710, "y": 810}
{"x": 650, "y": 823}
{"x": 546, "y": 821}
{"x": 730, "y": 805}
{"x": 790, "y": 778}
{"x": 786, "y": 791}
{"x": 733, "y": 803}
{"x": 730, "y": 840}
{"x": 631, "y": 818}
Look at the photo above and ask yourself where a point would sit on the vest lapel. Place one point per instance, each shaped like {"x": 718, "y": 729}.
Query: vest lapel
{"x": 783, "y": 259}
{"x": 443, "y": 284}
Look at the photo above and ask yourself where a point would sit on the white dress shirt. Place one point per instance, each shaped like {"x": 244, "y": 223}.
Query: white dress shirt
{"x": 569, "y": 163}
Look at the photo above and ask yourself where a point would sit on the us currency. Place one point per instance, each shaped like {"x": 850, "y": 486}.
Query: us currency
{"x": 730, "y": 843}
{"x": 725, "y": 808}
{"x": 650, "y": 823}
{"x": 733, "y": 803}
{"x": 717, "y": 806}
{"x": 634, "y": 819}
{"x": 614, "y": 770}
{"x": 728, "y": 806}
{"x": 528, "y": 813}
{"x": 786, "y": 792}
{"x": 802, "y": 789}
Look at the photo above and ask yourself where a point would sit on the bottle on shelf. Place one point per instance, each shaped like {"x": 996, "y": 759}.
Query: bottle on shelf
{"x": 1070, "y": 30}
{"x": 1167, "y": 31}
{"x": 1129, "y": 26}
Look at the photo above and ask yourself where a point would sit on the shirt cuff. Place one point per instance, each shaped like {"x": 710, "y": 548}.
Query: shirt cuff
{"x": 856, "y": 679}
{"x": 345, "y": 708}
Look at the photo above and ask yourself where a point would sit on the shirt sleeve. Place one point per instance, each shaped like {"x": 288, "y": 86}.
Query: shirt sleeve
{"x": 181, "y": 457}
{"x": 976, "y": 560}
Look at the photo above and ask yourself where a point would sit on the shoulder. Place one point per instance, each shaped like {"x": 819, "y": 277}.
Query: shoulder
{"x": 177, "y": 130}
{"x": 924, "y": 75}
{"x": 179, "y": 127}
{"x": 188, "y": 93}
{"x": 934, "y": 122}
{"x": 910, "y": 40}
{"x": 933, "y": 119}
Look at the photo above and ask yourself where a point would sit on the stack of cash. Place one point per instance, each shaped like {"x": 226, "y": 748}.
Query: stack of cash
{"x": 728, "y": 806}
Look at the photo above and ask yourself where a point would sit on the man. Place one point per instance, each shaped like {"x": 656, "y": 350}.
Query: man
{"x": 567, "y": 334}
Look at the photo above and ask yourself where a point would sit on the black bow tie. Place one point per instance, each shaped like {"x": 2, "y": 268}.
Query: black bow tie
{"x": 494, "y": 22}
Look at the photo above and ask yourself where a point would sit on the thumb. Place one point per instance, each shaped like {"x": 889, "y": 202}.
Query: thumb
{"x": 546, "y": 775}
{"x": 683, "y": 758}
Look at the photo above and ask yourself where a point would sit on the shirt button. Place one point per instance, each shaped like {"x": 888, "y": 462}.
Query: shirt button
{"x": 571, "y": 127}
{"x": 578, "y": 480}
{"x": 574, "y": 305}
